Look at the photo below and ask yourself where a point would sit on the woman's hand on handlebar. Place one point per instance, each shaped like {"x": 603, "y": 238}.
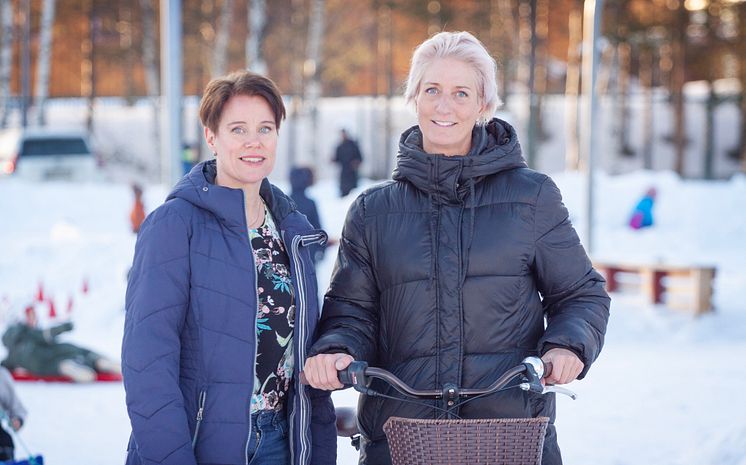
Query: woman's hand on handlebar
{"x": 321, "y": 370}
{"x": 566, "y": 366}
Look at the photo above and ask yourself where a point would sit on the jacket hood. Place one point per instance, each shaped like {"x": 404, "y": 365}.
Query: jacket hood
{"x": 227, "y": 204}
{"x": 494, "y": 148}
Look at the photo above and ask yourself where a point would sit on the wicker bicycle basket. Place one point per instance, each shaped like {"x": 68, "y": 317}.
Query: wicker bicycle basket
{"x": 497, "y": 441}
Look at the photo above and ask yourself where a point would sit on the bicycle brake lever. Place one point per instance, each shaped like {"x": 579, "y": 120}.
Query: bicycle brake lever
{"x": 560, "y": 390}
{"x": 547, "y": 389}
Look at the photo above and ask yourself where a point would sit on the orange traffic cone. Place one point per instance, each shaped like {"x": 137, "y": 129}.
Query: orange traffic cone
{"x": 85, "y": 286}
{"x": 52, "y": 309}
{"x": 70, "y": 305}
{"x": 40, "y": 293}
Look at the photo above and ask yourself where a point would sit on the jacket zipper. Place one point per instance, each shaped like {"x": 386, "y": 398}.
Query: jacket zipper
{"x": 256, "y": 350}
{"x": 301, "y": 343}
{"x": 200, "y": 414}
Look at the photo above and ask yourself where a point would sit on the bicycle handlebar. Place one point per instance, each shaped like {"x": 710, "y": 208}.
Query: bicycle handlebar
{"x": 533, "y": 369}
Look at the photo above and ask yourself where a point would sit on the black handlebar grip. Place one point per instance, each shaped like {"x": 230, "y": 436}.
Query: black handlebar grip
{"x": 345, "y": 376}
{"x": 353, "y": 374}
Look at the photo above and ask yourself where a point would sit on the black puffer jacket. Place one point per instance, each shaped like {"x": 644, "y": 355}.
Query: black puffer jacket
{"x": 446, "y": 275}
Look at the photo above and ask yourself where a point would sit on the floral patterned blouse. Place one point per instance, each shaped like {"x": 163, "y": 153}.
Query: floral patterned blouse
{"x": 275, "y": 319}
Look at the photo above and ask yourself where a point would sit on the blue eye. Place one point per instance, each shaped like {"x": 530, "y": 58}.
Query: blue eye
{"x": 238, "y": 130}
{"x": 265, "y": 130}
{"x": 461, "y": 94}
{"x": 431, "y": 91}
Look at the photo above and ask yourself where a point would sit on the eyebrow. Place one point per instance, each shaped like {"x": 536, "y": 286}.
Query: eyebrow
{"x": 431, "y": 83}
{"x": 244, "y": 122}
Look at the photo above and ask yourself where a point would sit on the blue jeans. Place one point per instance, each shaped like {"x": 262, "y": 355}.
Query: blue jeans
{"x": 269, "y": 444}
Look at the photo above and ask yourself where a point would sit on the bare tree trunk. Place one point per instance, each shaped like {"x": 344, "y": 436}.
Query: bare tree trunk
{"x": 150, "y": 62}
{"x": 677, "y": 85}
{"x": 220, "y": 53}
{"x": 742, "y": 145}
{"x": 149, "y": 48}
{"x": 709, "y": 159}
{"x": 435, "y": 18}
{"x": 88, "y": 72}
{"x": 646, "y": 80}
{"x": 43, "y": 63}
{"x": 523, "y": 70}
{"x": 257, "y": 22}
{"x": 384, "y": 74}
{"x": 622, "y": 100}
{"x": 296, "y": 82}
{"x": 388, "y": 123}
{"x": 126, "y": 49}
{"x": 527, "y": 50}
{"x": 541, "y": 73}
{"x": 312, "y": 69}
{"x": 742, "y": 76}
{"x": 572, "y": 88}
{"x": 503, "y": 33}
{"x": 6, "y": 54}
{"x": 25, "y": 8}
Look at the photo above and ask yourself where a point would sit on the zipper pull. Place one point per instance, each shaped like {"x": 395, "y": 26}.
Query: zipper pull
{"x": 202, "y": 397}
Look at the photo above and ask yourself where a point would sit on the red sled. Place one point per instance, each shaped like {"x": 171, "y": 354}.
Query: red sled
{"x": 23, "y": 375}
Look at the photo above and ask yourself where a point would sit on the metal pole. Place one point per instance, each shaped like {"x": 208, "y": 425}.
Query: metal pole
{"x": 171, "y": 91}
{"x": 592, "y": 12}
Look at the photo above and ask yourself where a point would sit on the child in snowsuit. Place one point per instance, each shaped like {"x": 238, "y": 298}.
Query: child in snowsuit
{"x": 642, "y": 215}
{"x": 137, "y": 214}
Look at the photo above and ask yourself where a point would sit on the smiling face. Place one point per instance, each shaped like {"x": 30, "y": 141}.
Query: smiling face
{"x": 245, "y": 142}
{"x": 448, "y": 106}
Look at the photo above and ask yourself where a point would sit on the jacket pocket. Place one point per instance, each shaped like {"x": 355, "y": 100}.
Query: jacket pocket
{"x": 200, "y": 415}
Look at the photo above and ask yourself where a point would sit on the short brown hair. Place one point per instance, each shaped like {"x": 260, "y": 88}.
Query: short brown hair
{"x": 220, "y": 90}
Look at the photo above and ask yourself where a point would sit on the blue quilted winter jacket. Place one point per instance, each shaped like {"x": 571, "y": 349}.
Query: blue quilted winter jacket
{"x": 190, "y": 337}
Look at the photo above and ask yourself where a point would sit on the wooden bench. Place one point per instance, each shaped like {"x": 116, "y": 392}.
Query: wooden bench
{"x": 680, "y": 287}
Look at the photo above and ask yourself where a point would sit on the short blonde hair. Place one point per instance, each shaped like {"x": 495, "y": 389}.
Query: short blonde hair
{"x": 461, "y": 46}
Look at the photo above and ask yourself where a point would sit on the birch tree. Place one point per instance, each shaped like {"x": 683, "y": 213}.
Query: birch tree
{"x": 149, "y": 48}
{"x": 742, "y": 77}
{"x": 678, "y": 78}
{"x": 150, "y": 62}
{"x": 257, "y": 21}
{"x": 502, "y": 34}
{"x": 220, "y": 54}
{"x": 312, "y": 68}
{"x": 6, "y": 55}
{"x": 572, "y": 87}
{"x": 44, "y": 60}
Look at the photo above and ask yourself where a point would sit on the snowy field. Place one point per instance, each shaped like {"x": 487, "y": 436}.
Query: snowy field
{"x": 667, "y": 390}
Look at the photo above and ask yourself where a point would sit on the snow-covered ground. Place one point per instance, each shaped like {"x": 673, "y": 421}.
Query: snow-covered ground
{"x": 667, "y": 389}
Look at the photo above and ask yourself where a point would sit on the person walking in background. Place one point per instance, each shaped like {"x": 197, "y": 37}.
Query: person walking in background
{"x": 348, "y": 157}
{"x": 642, "y": 215}
{"x": 463, "y": 265}
{"x": 13, "y": 410}
{"x": 221, "y": 304}
{"x": 301, "y": 178}
{"x": 137, "y": 213}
